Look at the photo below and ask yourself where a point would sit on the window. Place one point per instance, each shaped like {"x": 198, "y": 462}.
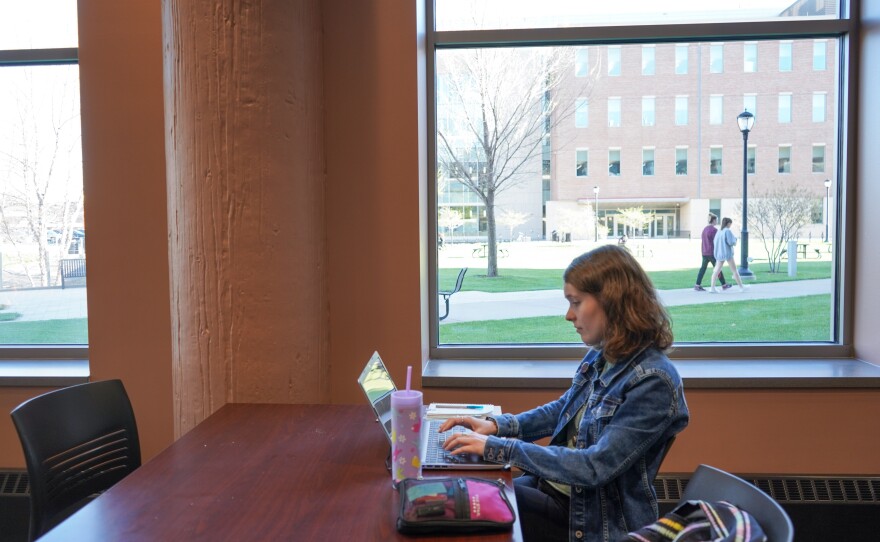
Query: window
{"x": 648, "y": 59}
{"x": 42, "y": 231}
{"x": 818, "y": 107}
{"x": 785, "y": 108}
{"x": 819, "y": 47}
{"x": 750, "y": 104}
{"x": 582, "y": 160}
{"x": 613, "y": 162}
{"x": 581, "y": 113}
{"x": 681, "y": 110}
{"x": 538, "y": 73}
{"x": 681, "y": 59}
{"x": 613, "y": 60}
{"x": 785, "y": 159}
{"x": 614, "y": 112}
{"x": 647, "y": 161}
{"x": 716, "y": 113}
{"x": 582, "y": 62}
{"x": 648, "y": 111}
{"x": 716, "y": 58}
{"x": 681, "y": 161}
{"x": 819, "y": 158}
{"x": 785, "y": 56}
{"x": 750, "y": 57}
{"x": 715, "y": 161}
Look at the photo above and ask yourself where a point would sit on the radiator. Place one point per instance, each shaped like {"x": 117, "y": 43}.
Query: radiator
{"x": 822, "y": 508}
{"x": 14, "y": 505}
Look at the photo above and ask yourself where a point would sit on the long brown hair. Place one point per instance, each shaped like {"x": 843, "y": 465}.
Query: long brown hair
{"x": 635, "y": 317}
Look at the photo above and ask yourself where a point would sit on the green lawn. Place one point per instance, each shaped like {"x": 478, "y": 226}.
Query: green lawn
{"x": 72, "y": 331}
{"x": 518, "y": 280}
{"x": 795, "y": 319}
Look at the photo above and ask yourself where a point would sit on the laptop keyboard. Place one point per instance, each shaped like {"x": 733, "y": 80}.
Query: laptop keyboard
{"x": 436, "y": 454}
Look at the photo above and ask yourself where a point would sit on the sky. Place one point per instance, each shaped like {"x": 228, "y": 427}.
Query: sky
{"x": 27, "y": 24}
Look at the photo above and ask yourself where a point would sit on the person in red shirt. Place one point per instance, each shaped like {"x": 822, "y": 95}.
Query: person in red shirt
{"x": 708, "y": 248}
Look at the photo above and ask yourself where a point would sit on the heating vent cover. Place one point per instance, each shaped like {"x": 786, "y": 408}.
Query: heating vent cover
{"x": 789, "y": 489}
{"x": 14, "y": 482}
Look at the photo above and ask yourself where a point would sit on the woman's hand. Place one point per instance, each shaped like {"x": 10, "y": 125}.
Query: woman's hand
{"x": 477, "y": 425}
{"x": 468, "y": 443}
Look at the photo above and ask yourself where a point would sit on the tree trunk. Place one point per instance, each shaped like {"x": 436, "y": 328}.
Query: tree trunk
{"x": 492, "y": 249}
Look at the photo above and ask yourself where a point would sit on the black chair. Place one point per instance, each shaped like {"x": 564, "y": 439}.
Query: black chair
{"x": 78, "y": 441}
{"x": 711, "y": 484}
{"x": 448, "y": 293}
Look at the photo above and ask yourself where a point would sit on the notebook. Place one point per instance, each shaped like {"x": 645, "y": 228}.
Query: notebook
{"x": 376, "y": 382}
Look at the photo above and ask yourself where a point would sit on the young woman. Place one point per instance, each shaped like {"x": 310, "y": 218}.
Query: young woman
{"x": 724, "y": 243}
{"x": 610, "y": 429}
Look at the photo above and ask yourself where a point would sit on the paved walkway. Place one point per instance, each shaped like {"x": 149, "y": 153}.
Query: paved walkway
{"x": 45, "y": 304}
{"x": 471, "y": 306}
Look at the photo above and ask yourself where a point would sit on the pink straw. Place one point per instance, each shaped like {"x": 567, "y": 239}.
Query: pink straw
{"x": 408, "y": 376}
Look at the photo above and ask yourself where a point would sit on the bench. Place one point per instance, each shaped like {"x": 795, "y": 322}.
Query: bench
{"x": 448, "y": 293}
{"x": 72, "y": 268}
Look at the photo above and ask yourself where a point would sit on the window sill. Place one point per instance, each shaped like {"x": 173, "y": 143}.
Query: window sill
{"x": 707, "y": 374}
{"x": 43, "y": 372}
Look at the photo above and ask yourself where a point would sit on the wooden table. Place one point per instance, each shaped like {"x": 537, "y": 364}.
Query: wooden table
{"x": 261, "y": 472}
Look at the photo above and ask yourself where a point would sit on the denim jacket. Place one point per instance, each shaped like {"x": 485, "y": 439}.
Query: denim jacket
{"x": 633, "y": 409}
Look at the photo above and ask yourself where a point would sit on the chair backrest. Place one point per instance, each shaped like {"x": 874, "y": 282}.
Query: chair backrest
{"x": 711, "y": 484}
{"x": 460, "y": 280}
{"x": 77, "y": 442}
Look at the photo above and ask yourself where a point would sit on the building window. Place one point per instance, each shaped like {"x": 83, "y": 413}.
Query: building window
{"x": 819, "y": 107}
{"x": 785, "y": 159}
{"x": 614, "y": 112}
{"x": 681, "y": 161}
{"x": 42, "y": 231}
{"x": 716, "y": 58}
{"x": 647, "y": 161}
{"x": 614, "y": 162}
{"x": 750, "y": 104}
{"x": 681, "y": 58}
{"x": 556, "y": 201}
{"x": 648, "y": 59}
{"x": 819, "y": 48}
{"x": 583, "y": 162}
{"x": 715, "y": 160}
{"x": 613, "y": 60}
{"x": 681, "y": 110}
{"x": 647, "y": 111}
{"x": 785, "y": 56}
{"x": 750, "y": 57}
{"x": 785, "y": 108}
{"x": 716, "y": 112}
{"x": 581, "y": 62}
{"x": 581, "y": 113}
{"x": 819, "y": 158}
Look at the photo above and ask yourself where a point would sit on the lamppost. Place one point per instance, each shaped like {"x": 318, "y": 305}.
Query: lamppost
{"x": 827, "y": 195}
{"x": 596, "y": 211}
{"x": 745, "y": 121}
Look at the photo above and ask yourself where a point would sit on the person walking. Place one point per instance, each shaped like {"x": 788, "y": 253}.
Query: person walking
{"x": 725, "y": 240}
{"x": 708, "y": 250}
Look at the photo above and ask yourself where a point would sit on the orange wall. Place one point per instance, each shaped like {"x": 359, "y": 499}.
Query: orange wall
{"x": 376, "y": 266}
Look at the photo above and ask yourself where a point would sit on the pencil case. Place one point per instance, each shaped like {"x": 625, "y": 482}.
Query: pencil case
{"x": 453, "y": 505}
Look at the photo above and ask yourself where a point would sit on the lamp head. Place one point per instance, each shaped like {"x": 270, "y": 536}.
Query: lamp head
{"x": 745, "y": 121}
{"x": 596, "y": 190}
{"x": 827, "y": 183}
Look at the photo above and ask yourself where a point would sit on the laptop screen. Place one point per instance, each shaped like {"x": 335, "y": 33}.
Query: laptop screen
{"x": 378, "y": 386}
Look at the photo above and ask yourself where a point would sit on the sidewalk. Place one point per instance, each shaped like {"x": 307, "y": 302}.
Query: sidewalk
{"x": 45, "y": 303}
{"x": 472, "y": 306}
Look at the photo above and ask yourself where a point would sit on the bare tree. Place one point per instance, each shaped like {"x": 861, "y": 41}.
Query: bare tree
{"x": 635, "y": 217}
{"x": 512, "y": 219}
{"x": 40, "y": 197}
{"x": 449, "y": 219}
{"x": 496, "y": 108}
{"x": 777, "y": 216}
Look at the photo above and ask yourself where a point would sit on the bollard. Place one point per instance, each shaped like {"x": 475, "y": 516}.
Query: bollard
{"x": 792, "y": 258}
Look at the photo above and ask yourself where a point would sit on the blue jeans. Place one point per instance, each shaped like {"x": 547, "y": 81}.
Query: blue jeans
{"x": 543, "y": 511}
{"x": 706, "y": 261}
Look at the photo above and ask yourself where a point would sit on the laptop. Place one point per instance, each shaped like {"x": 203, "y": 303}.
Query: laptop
{"x": 376, "y": 382}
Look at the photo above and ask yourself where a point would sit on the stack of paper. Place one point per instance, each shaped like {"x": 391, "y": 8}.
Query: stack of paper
{"x": 449, "y": 410}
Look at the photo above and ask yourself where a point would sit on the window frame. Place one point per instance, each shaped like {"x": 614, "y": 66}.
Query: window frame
{"x": 843, "y": 28}
{"x": 41, "y": 352}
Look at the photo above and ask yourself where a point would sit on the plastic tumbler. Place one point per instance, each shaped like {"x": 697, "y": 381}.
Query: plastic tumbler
{"x": 406, "y": 428}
